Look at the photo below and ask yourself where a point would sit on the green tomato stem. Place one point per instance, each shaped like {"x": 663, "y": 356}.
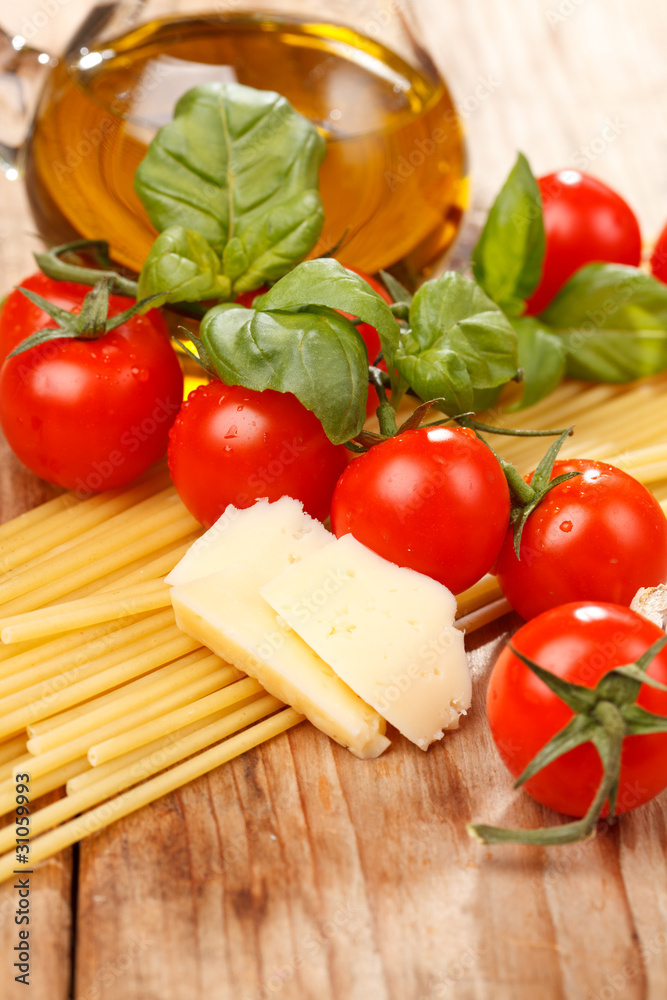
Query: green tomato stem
{"x": 613, "y": 728}
{"x": 385, "y": 412}
{"x": 53, "y": 267}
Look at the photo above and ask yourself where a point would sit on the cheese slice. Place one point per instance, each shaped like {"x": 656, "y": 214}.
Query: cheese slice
{"x": 267, "y": 536}
{"x": 225, "y": 611}
{"x": 386, "y": 631}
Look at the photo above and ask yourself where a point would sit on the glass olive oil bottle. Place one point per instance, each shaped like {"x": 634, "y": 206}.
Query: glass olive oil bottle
{"x": 394, "y": 178}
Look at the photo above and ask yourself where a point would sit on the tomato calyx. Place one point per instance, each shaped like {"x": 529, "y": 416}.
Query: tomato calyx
{"x": 91, "y": 323}
{"x": 541, "y": 483}
{"x": 199, "y": 355}
{"x": 387, "y": 416}
{"x": 604, "y": 716}
{"x": 526, "y": 496}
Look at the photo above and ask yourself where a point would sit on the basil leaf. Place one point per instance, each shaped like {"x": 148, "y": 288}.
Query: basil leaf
{"x": 316, "y": 354}
{"x": 239, "y": 166}
{"x": 439, "y": 373}
{"x": 507, "y": 261}
{"x": 613, "y": 322}
{"x": 542, "y": 359}
{"x": 325, "y": 282}
{"x": 484, "y": 399}
{"x": 459, "y": 341}
{"x": 615, "y": 356}
{"x": 182, "y": 261}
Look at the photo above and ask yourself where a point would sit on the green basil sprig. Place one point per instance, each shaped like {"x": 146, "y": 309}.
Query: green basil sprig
{"x": 231, "y": 185}
{"x": 458, "y": 342}
{"x": 542, "y": 355}
{"x": 607, "y": 324}
{"x": 612, "y": 320}
{"x": 325, "y": 282}
{"x": 507, "y": 260}
{"x": 294, "y": 340}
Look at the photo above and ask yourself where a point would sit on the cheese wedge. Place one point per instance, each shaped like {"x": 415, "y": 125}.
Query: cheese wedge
{"x": 224, "y": 610}
{"x": 385, "y": 630}
{"x": 228, "y": 615}
{"x": 266, "y": 536}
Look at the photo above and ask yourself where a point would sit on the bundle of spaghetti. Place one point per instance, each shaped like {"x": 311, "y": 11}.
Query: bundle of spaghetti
{"x": 94, "y": 671}
{"x": 609, "y": 421}
{"x": 226, "y": 748}
{"x": 103, "y": 698}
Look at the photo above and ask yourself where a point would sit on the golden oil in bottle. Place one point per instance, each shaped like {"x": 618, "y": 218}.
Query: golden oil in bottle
{"x": 393, "y": 181}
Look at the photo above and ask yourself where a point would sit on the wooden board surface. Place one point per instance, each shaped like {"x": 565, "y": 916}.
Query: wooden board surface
{"x": 298, "y": 871}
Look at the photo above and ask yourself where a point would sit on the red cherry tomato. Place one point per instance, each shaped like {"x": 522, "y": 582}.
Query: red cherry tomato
{"x": 598, "y": 537}
{"x": 434, "y": 500}
{"x": 247, "y": 299}
{"x": 585, "y": 222}
{"x": 88, "y": 415}
{"x": 659, "y": 257}
{"x": 371, "y": 337}
{"x": 231, "y": 445}
{"x": 578, "y": 642}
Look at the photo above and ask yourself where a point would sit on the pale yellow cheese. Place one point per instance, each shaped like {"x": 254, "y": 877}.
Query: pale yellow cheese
{"x": 228, "y": 615}
{"x": 267, "y": 537}
{"x": 215, "y": 594}
{"x": 385, "y": 630}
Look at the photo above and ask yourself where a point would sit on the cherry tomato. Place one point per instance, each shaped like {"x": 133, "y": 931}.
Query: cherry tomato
{"x": 578, "y": 642}
{"x": 435, "y": 500}
{"x": 584, "y": 222}
{"x": 659, "y": 257}
{"x": 88, "y": 415}
{"x": 597, "y": 537}
{"x": 371, "y": 337}
{"x": 231, "y": 445}
{"x": 247, "y": 299}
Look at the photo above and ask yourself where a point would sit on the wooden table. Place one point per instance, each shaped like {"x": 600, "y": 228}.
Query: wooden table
{"x": 298, "y": 871}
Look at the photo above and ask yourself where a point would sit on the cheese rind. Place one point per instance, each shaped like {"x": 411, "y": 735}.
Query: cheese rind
{"x": 228, "y": 615}
{"x": 385, "y": 630}
{"x": 266, "y": 536}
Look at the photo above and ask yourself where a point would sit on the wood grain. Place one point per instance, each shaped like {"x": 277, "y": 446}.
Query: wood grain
{"x": 51, "y": 884}
{"x": 299, "y": 872}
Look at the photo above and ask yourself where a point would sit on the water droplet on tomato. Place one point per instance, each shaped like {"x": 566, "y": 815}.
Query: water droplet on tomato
{"x": 566, "y": 526}
{"x": 239, "y": 408}
{"x": 141, "y": 374}
{"x": 227, "y": 448}
{"x": 232, "y": 432}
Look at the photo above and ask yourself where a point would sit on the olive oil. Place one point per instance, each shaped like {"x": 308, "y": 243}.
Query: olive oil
{"x": 393, "y": 181}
